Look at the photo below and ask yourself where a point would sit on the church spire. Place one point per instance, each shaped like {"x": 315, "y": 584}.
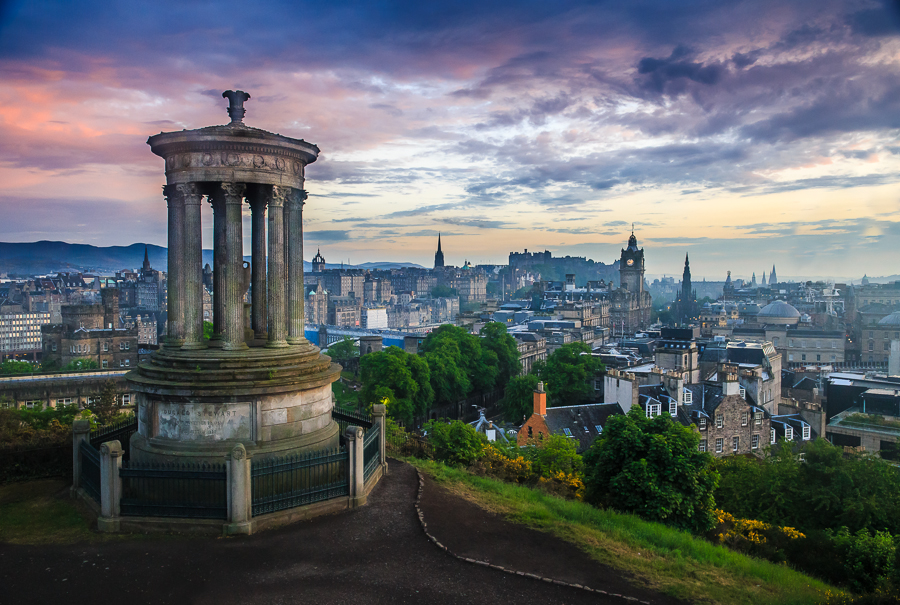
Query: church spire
{"x": 439, "y": 241}
{"x": 146, "y": 260}
{"x": 439, "y": 255}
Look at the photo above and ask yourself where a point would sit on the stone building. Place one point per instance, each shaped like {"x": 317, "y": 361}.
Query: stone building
{"x": 727, "y": 422}
{"x": 20, "y": 334}
{"x": 630, "y": 304}
{"x": 344, "y": 311}
{"x": 316, "y": 304}
{"x": 532, "y": 347}
{"x": 377, "y": 289}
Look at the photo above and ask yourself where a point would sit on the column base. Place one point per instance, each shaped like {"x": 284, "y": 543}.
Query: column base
{"x": 277, "y": 344}
{"x": 109, "y": 524}
{"x": 238, "y": 346}
{"x": 193, "y": 346}
{"x": 356, "y": 502}
{"x": 233, "y": 529}
{"x": 173, "y": 343}
{"x": 296, "y": 340}
{"x": 215, "y": 342}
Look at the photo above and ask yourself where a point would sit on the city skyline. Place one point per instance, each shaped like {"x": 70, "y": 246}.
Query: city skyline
{"x": 744, "y": 134}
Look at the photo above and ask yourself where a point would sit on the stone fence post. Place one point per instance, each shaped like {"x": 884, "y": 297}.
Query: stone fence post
{"x": 81, "y": 431}
{"x": 355, "y": 443}
{"x": 240, "y": 496}
{"x": 110, "y": 486}
{"x": 378, "y": 415}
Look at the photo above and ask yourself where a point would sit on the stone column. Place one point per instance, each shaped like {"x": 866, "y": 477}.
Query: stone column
{"x": 81, "y": 431}
{"x": 276, "y": 268}
{"x": 240, "y": 498}
{"x": 175, "y": 303}
{"x": 258, "y": 264}
{"x": 192, "y": 269}
{"x": 217, "y": 200}
{"x": 110, "y": 486}
{"x": 355, "y": 443}
{"x": 233, "y": 326}
{"x": 294, "y": 250}
{"x": 378, "y": 416}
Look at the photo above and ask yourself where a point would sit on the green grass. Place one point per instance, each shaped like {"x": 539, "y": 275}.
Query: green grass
{"x": 40, "y": 512}
{"x": 344, "y": 395}
{"x": 669, "y": 560}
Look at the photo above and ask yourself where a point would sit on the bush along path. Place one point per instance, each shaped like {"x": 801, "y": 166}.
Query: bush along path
{"x": 634, "y": 595}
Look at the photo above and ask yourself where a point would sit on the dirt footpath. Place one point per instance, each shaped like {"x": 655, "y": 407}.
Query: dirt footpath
{"x": 375, "y": 554}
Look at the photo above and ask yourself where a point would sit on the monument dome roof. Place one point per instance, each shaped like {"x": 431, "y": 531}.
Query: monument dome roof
{"x": 890, "y": 320}
{"x": 779, "y": 309}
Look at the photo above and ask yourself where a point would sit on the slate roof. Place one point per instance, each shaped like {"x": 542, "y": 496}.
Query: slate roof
{"x": 581, "y": 421}
{"x": 780, "y": 424}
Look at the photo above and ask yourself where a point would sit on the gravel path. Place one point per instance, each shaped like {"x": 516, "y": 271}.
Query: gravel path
{"x": 374, "y": 554}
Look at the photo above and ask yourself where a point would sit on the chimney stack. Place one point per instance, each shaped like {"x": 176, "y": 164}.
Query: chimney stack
{"x": 540, "y": 400}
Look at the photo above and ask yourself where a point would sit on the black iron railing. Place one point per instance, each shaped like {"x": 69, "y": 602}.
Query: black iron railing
{"x": 174, "y": 490}
{"x": 371, "y": 452}
{"x": 90, "y": 469}
{"x": 121, "y": 431}
{"x": 345, "y": 419}
{"x": 280, "y": 483}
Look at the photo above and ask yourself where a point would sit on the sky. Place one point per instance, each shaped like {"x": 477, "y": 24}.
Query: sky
{"x": 746, "y": 133}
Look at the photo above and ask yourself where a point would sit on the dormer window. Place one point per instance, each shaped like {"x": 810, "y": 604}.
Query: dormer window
{"x": 789, "y": 433}
{"x": 567, "y": 432}
{"x": 806, "y": 432}
{"x": 703, "y": 424}
{"x": 743, "y": 392}
{"x": 599, "y": 429}
{"x": 653, "y": 409}
{"x": 688, "y": 397}
{"x": 673, "y": 408}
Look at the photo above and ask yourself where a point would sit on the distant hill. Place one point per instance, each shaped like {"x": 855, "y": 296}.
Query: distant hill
{"x": 36, "y": 258}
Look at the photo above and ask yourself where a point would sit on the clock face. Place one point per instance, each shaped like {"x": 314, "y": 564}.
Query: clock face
{"x": 630, "y": 262}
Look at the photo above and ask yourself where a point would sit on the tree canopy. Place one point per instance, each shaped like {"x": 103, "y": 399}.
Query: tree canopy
{"x": 344, "y": 349}
{"x": 567, "y": 374}
{"x": 402, "y": 378}
{"x": 494, "y": 337}
{"x": 651, "y": 467}
{"x": 825, "y": 490}
{"x": 444, "y": 292}
{"x": 518, "y": 401}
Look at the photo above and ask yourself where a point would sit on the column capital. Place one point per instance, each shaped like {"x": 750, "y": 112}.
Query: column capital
{"x": 279, "y": 195}
{"x": 190, "y": 192}
{"x": 297, "y": 197}
{"x": 234, "y": 192}
{"x": 172, "y": 194}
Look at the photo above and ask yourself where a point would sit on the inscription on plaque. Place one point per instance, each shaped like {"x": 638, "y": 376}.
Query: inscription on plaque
{"x": 204, "y": 421}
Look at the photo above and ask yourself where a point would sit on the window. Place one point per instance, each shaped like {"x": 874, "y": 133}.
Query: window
{"x": 803, "y": 357}
{"x": 833, "y": 344}
{"x": 105, "y": 347}
{"x": 719, "y": 444}
{"x": 791, "y": 342}
{"x": 834, "y": 358}
{"x": 790, "y": 357}
{"x": 703, "y": 424}
{"x": 104, "y": 364}
{"x": 653, "y": 409}
{"x": 743, "y": 392}
{"x": 818, "y": 344}
{"x": 789, "y": 433}
{"x": 818, "y": 358}
{"x": 805, "y": 433}
{"x": 33, "y": 404}
{"x": 772, "y": 437}
{"x": 126, "y": 399}
{"x": 744, "y": 416}
{"x": 688, "y": 397}
{"x": 775, "y": 341}
{"x": 802, "y": 344}
{"x": 54, "y": 347}
{"x": 64, "y": 401}
{"x": 757, "y": 418}
{"x": 127, "y": 362}
{"x": 567, "y": 432}
{"x": 754, "y": 442}
{"x": 599, "y": 429}
{"x": 735, "y": 443}
{"x": 871, "y": 346}
{"x": 127, "y": 345}
{"x": 673, "y": 408}
{"x": 702, "y": 447}
{"x": 720, "y": 421}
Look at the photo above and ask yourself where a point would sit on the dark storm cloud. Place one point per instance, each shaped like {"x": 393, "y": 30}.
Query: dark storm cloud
{"x": 327, "y": 236}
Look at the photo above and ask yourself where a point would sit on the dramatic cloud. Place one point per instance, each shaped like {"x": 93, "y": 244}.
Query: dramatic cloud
{"x": 515, "y": 123}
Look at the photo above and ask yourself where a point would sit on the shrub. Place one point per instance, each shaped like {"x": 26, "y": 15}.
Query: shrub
{"x": 455, "y": 443}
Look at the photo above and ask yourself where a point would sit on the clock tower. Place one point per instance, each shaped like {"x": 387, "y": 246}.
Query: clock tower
{"x": 631, "y": 266}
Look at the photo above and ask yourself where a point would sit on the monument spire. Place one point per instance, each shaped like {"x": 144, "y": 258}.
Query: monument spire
{"x": 439, "y": 255}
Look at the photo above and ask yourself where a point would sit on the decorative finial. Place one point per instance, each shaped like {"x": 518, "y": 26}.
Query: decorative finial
{"x": 236, "y": 109}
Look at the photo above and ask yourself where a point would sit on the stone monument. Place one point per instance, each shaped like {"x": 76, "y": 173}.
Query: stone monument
{"x": 267, "y": 387}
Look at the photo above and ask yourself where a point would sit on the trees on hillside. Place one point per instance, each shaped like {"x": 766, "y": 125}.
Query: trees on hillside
{"x": 459, "y": 353}
{"x": 567, "y": 374}
{"x": 344, "y": 349}
{"x": 494, "y": 337}
{"x": 402, "y": 378}
{"x": 518, "y": 401}
{"x": 651, "y": 467}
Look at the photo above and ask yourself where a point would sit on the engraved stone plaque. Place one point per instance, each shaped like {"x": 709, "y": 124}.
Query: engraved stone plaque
{"x": 204, "y": 421}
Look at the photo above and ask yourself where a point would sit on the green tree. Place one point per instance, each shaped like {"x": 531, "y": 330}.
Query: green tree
{"x": 568, "y": 374}
{"x": 106, "y": 407}
{"x": 455, "y": 442}
{"x": 448, "y": 379}
{"x": 518, "y": 400}
{"x": 208, "y": 330}
{"x": 651, "y": 467}
{"x": 344, "y": 349}
{"x": 83, "y": 363}
{"x": 556, "y": 454}
{"x": 402, "y": 378}
{"x": 496, "y": 338}
{"x": 13, "y": 367}
{"x": 443, "y": 292}
{"x": 479, "y": 365}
